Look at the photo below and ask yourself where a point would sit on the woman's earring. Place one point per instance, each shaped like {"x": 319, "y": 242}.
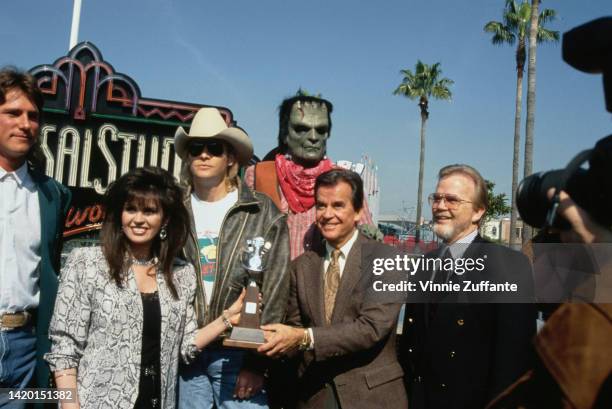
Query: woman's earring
{"x": 163, "y": 233}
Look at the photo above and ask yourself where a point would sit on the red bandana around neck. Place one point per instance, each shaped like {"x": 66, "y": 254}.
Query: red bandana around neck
{"x": 297, "y": 182}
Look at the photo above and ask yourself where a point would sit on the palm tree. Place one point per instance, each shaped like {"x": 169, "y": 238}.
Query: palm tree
{"x": 423, "y": 84}
{"x": 536, "y": 21}
{"x": 514, "y": 29}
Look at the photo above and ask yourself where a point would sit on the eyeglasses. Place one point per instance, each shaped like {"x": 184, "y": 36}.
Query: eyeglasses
{"x": 214, "y": 148}
{"x": 452, "y": 201}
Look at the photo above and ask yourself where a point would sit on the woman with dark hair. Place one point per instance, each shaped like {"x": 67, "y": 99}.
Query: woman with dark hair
{"x": 124, "y": 312}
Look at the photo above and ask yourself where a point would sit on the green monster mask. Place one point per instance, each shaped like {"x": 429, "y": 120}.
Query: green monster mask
{"x": 307, "y": 133}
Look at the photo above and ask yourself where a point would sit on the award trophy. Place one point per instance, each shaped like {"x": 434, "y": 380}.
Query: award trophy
{"x": 247, "y": 333}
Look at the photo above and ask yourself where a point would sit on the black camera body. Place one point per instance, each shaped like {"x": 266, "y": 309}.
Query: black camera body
{"x": 587, "y": 48}
{"x": 590, "y": 188}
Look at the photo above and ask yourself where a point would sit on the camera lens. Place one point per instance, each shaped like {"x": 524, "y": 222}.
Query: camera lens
{"x": 531, "y": 199}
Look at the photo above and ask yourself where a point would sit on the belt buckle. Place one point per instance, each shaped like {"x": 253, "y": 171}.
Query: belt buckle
{"x": 14, "y": 320}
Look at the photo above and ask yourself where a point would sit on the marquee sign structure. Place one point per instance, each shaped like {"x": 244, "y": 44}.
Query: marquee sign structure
{"x": 97, "y": 126}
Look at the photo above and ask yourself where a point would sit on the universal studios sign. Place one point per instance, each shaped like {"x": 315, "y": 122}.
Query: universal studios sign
{"x": 97, "y": 126}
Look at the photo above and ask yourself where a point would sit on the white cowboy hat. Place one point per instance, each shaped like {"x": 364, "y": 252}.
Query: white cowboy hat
{"x": 208, "y": 123}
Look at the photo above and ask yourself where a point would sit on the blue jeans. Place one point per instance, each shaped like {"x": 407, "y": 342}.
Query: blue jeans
{"x": 211, "y": 379}
{"x": 17, "y": 362}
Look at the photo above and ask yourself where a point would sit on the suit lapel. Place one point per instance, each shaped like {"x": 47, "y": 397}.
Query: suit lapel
{"x": 474, "y": 249}
{"x": 350, "y": 277}
{"x": 313, "y": 277}
{"x": 47, "y": 213}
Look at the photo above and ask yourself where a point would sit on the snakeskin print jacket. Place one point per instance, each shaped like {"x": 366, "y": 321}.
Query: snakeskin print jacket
{"x": 97, "y": 328}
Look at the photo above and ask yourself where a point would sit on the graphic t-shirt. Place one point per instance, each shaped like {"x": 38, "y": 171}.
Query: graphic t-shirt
{"x": 208, "y": 217}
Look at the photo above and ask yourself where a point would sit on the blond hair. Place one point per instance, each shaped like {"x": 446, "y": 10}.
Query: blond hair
{"x": 480, "y": 199}
{"x": 231, "y": 173}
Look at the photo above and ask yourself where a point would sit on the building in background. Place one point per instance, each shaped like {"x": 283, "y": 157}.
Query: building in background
{"x": 499, "y": 230}
{"x": 368, "y": 171}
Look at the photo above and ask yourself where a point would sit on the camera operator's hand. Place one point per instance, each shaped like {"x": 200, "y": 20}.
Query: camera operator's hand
{"x": 584, "y": 228}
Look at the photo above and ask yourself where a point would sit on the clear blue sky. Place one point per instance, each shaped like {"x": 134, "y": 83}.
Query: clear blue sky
{"x": 249, "y": 55}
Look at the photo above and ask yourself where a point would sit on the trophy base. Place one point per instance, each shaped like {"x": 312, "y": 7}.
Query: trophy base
{"x": 242, "y": 337}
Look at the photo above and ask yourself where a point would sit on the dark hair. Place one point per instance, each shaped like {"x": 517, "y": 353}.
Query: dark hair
{"x": 335, "y": 176}
{"x": 12, "y": 78}
{"x": 284, "y": 111}
{"x": 140, "y": 185}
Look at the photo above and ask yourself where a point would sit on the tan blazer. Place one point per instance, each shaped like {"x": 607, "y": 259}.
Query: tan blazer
{"x": 356, "y": 353}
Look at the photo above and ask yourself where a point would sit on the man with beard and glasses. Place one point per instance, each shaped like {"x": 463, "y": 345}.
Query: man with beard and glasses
{"x": 464, "y": 348}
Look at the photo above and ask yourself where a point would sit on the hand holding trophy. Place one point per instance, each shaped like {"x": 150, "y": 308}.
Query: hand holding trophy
{"x": 247, "y": 334}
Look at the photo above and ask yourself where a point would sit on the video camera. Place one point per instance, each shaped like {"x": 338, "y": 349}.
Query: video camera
{"x": 587, "y": 48}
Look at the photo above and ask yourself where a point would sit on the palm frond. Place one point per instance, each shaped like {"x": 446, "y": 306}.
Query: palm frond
{"x": 546, "y": 16}
{"x": 407, "y": 91}
{"x": 545, "y": 35}
{"x": 425, "y": 81}
{"x": 441, "y": 89}
{"x": 501, "y": 33}
{"x": 512, "y": 15}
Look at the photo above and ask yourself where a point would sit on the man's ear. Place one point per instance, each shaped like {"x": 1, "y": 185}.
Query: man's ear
{"x": 231, "y": 159}
{"x": 358, "y": 215}
{"x": 478, "y": 215}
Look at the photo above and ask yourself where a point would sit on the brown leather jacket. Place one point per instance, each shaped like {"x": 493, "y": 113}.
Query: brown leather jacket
{"x": 574, "y": 370}
{"x": 252, "y": 215}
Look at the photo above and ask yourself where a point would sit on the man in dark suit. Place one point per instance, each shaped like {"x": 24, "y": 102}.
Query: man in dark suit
{"x": 32, "y": 211}
{"x": 462, "y": 348}
{"x": 347, "y": 342}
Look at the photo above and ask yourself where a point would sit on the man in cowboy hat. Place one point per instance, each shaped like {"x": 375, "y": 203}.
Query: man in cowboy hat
{"x": 225, "y": 213}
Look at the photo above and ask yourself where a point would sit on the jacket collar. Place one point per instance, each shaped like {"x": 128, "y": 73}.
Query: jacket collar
{"x": 245, "y": 196}
{"x": 350, "y": 276}
{"x": 475, "y": 248}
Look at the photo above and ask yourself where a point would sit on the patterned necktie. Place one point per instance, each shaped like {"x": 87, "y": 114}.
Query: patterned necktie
{"x": 332, "y": 281}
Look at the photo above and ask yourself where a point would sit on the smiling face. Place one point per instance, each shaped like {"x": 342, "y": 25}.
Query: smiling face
{"x": 307, "y": 132}
{"x": 19, "y": 123}
{"x": 336, "y": 217}
{"x": 141, "y": 221}
{"x": 453, "y": 224}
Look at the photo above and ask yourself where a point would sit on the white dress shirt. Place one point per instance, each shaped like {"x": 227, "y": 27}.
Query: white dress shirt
{"x": 344, "y": 250}
{"x": 457, "y": 249}
{"x": 19, "y": 241}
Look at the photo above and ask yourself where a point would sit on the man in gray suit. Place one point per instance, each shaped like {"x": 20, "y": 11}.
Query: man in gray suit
{"x": 347, "y": 344}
